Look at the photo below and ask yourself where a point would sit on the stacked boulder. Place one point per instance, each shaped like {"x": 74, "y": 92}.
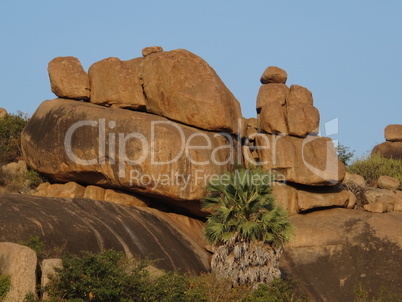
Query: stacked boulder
{"x": 392, "y": 148}
{"x": 382, "y": 196}
{"x": 287, "y": 144}
{"x": 156, "y": 125}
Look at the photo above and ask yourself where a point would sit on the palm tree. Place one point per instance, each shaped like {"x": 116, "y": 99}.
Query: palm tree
{"x": 246, "y": 228}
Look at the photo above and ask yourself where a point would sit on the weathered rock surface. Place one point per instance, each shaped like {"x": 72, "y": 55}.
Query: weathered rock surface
{"x": 298, "y": 199}
{"x": 287, "y": 111}
{"x": 355, "y": 179}
{"x": 387, "y": 182}
{"x": 299, "y": 95}
{"x": 302, "y": 119}
{"x": 272, "y": 118}
{"x": 372, "y": 194}
{"x": 3, "y": 112}
{"x": 272, "y": 93}
{"x": 114, "y": 83}
{"x": 334, "y": 250}
{"x": 393, "y": 133}
{"x": 74, "y": 225}
{"x": 150, "y": 50}
{"x": 19, "y": 262}
{"x": 155, "y": 157}
{"x": 74, "y": 190}
{"x": 181, "y": 86}
{"x": 376, "y": 207}
{"x": 389, "y": 150}
{"x": 48, "y": 269}
{"x": 68, "y": 79}
{"x": 311, "y": 161}
{"x": 274, "y": 74}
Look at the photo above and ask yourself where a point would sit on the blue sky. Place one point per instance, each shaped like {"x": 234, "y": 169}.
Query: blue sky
{"x": 348, "y": 53}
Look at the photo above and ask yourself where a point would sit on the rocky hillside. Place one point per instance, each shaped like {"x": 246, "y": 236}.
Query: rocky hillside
{"x": 129, "y": 146}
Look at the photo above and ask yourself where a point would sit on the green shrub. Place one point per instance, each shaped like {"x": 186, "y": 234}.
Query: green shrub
{"x": 109, "y": 276}
{"x": 11, "y": 127}
{"x": 35, "y": 244}
{"x": 279, "y": 290}
{"x": 383, "y": 295}
{"x": 372, "y": 167}
{"x": 100, "y": 277}
{"x": 34, "y": 178}
{"x": 344, "y": 154}
{"x": 5, "y": 283}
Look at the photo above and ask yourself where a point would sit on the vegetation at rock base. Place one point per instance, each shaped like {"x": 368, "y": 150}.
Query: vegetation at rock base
{"x": 372, "y": 167}
{"x": 246, "y": 227}
{"x": 35, "y": 244}
{"x": 5, "y": 283}
{"x": 363, "y": 295}
{"x": 109, "y": 276}
{"x": 344, "y": 154}
{"x": 11, "y": 127}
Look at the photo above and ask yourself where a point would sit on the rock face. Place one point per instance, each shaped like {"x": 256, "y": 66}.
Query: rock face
{"x": 122, "y": 149}
{"x": 334, "y": 250}
{"x": 19, "y": 262}
{"x": 310, "y": 161}
{"x": 74, "y": 225}
{"x": 181, "y": 86}
{"x": 393, "y": 133}
{"x": 287, "y": 144}
{"x": 74, "y": 190}
{"x": 298, "y": 199}
{"x": 68, "y": 79}
{"x": 114, "y": 83}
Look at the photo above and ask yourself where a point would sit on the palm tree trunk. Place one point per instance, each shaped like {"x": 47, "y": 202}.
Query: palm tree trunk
{"x": 246, "y": 262}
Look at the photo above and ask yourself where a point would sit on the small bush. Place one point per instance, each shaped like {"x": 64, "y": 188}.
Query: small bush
{"x": 11, "y": 127}
{"x": 359, "y": 192}
{"x": 344, "y": 154}
{"x": 35, "y": 244}
{"x": 5, "y": 283}
{"x": 384, "y": 295}
{"x": 372, "y": 167}
{"x": 34, "y": 178}
{"x": 279, "y": 290}
{"x": 109, "y": 276}
{"x": 100, "y": 277}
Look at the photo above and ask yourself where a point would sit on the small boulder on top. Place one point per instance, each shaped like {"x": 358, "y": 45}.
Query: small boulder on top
{"x": 116, "y": 83}
{"x": 68, "y": 79}
{"x": 274, "y": 74}
{"x": 150, "y": 50}
{"x": 393, "y": 133}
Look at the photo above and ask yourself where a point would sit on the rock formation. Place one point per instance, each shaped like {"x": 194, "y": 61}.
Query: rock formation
{"x": 19, "y": 262}
{"x": 128, "y": 150}
{"x": 334, "y": 251}
{"x": 287, "y": 143}
{"x": 74, "y": 225}
{"x": 68, "y": 79}
{"x": 392, "y": 147}
{"x": 122, "y": 149}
